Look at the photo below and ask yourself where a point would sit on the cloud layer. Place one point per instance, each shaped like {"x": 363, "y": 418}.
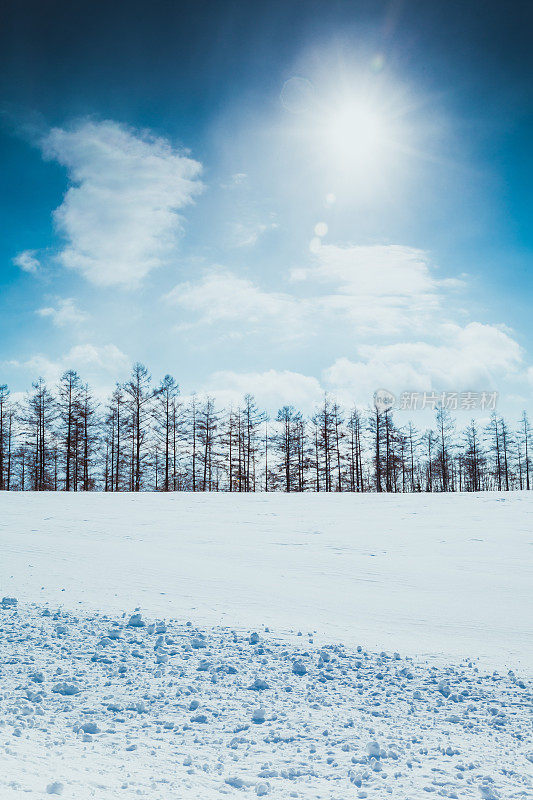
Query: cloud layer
{"x": 221, "y": 297}
{"x": 64, "y": 313}
{"x": 373, "y": 290}
{"x": 358, "y": 317}
{"x": 471, "y": 357}
{"x": 27, "y": 261}
{"x": 119, "y": 218}
{"x": 91, "y": 360}
{"x": 383, "y": 308}
{"x": 272, "y": 388}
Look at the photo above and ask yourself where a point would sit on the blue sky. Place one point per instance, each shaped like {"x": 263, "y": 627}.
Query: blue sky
{"x": 275, "y": 197}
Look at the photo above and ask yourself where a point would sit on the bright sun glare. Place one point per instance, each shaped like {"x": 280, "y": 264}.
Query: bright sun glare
{"x": 355, "y": 137}
{"x": 359, "y": 135}
{"x": 355, "y": 133}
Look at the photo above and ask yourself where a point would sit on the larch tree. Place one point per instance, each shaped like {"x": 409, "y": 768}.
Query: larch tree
{"x": 139, "y": 400}
{"x": 165, "y": 428}
{"x": 284, "y": 441}
{"x": 207, "y": 423}
{"x": 145, "y": 439}
{"x": 4, "y": 413}
{"x": 525, "y": 433}
{"x": 38, "y": 419}
{"x": 68, "y": 409}
{"x": 443, "y": 461}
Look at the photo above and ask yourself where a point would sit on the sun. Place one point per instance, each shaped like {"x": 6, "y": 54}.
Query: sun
{"x": 360, "y": 133}
{"x": 355, "y": 135}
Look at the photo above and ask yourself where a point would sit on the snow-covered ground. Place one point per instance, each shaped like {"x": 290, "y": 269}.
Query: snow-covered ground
{"x": 392, "y": 651}
{"x": 448, "y": 574}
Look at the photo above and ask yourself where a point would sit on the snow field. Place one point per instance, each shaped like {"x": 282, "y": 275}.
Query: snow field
{"x": 316, "y": 647}
{"x": 104, "y": 706}
{"x": 423, "y": 574}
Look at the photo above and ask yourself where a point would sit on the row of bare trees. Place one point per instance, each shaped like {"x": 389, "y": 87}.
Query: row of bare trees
{"x": 147, "y": 438}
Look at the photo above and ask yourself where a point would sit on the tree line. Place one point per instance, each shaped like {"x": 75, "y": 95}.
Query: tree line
{"x": 147, "y": 438}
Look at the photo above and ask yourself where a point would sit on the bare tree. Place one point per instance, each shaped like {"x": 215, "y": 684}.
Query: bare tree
{"x": 164, "y": 412}
{"x": 444, "y": 456}
{"x": 525, "y": 436}
{"x": 38, "y": 418}
{"x": 207, "y": 426}
{"x": 285, "y": 445}
{"x": 4, "y": 410}
{"x": 473, "y": 459}
{"x": 139, "y": 399}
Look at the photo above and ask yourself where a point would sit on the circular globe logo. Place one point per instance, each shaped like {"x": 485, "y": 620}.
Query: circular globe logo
{"x": 383, "y": 400}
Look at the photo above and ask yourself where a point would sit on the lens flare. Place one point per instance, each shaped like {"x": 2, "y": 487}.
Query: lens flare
{"x": 297, "y": 95}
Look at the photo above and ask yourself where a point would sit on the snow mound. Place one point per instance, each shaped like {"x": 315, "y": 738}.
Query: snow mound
{"x": 359, "y": 724}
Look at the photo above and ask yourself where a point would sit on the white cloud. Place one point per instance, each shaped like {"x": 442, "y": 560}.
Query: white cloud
{"x": 119, "y": 218}
{"x": 65, "y": 313}
{"x": 298, "y": 274}
{"x": 272, "y": 389}
{"x": 474, "y": 357}
{"x": 107, "y": 357}
{"x": 370, "y": 291}
{"x": 237, "y": 179}
{"x": 248, "y": 234}
{"x": 84, "y": 357}
{"x": 380, "y": 289}
{"x": 27, "y": 261}
{"x": 221, "y": 296}
{"x": 380, "y": 270}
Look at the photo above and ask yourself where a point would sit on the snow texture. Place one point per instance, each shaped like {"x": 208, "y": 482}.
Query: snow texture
{"x": 160, "y": 647}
